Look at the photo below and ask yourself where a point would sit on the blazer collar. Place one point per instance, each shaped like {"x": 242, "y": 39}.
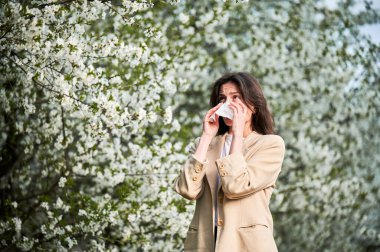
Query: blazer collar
{"x": 218, "y": 142}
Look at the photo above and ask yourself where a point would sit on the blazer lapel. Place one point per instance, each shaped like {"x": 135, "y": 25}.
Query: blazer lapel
{"x": 214, "y": 154}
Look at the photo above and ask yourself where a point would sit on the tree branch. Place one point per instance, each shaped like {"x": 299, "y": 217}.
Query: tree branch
{"x": 6, "y": 32}
{"x": 54, "y": 3}
{"x": 44, "y": 86}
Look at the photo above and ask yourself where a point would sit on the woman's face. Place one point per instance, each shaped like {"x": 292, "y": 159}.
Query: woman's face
{"x": 230, "y": 92}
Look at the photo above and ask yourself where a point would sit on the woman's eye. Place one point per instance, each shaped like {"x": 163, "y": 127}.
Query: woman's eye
{"x": 221, "y": 99}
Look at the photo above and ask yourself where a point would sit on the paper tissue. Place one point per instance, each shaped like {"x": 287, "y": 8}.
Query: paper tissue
{"x": 224, "y": 111}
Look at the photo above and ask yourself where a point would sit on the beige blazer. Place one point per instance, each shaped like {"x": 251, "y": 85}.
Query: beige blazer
{"x": 247, "y": 182}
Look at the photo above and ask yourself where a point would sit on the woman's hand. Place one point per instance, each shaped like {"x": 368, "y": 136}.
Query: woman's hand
{"x": 211, "y": 128}
{"x": 238, "y": 123}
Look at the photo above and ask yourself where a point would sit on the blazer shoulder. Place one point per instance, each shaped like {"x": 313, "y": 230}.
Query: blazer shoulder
{"x": 261, "y": 142}
{"x": 273, "y": 140}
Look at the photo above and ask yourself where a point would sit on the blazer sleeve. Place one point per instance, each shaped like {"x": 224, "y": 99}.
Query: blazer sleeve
{"x": 241, "y": 177}
{"x": 189, "y": 183}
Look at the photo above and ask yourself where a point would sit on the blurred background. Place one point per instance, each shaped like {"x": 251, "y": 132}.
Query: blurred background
{"x": 101, "y": 100}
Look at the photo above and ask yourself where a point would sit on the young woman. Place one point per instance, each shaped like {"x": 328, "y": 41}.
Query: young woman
{"x": 232, "y": 170}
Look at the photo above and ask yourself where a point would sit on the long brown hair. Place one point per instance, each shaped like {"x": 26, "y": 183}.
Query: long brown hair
{"x": 252, "y": 95}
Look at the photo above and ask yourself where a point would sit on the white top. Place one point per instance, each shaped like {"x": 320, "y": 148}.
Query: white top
{"x": 225, "y": 152}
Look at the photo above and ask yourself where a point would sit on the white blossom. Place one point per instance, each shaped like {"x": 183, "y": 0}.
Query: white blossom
{"x": 17, "y": 222}
{"x": 168, "y": 115}
{"x": 183, "y": 18}
{"x": 45, "y": 205}
{"x": 62, "y": 182}
{"x": 82, "y": 212}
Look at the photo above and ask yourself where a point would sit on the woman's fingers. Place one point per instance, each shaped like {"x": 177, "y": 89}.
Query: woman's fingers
{"x": 211, "y": 111}
{"x": 241, "y": 104}
{"x": 215, "y": 108}
{"x": 237, "y": 107}
{"x": 216, "y": 120}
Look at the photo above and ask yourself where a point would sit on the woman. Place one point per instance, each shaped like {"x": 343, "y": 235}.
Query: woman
{"x": 232, "y": 172}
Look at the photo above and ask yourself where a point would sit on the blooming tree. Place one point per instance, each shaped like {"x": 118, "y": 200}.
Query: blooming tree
{"x": 89, "y": 145}
{"x": 81, "y": 82}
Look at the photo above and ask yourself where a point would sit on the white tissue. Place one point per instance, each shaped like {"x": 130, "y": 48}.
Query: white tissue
{"x": 224, "y": 111}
